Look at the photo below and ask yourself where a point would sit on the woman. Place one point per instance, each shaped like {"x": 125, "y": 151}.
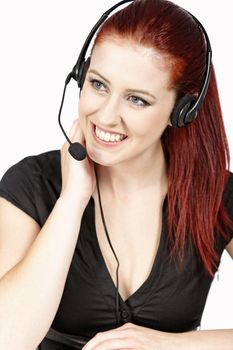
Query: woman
{"x": 166, "y": 197}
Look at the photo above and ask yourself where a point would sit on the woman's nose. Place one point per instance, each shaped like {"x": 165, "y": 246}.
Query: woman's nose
{"x": 109, "y": 114}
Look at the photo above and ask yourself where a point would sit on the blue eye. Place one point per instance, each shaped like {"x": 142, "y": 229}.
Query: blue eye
{"x": 139, "y": 101}
{"x": 96, "y": 84}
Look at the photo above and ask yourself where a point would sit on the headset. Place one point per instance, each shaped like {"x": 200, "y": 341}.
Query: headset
{"x": 186, "y": 108}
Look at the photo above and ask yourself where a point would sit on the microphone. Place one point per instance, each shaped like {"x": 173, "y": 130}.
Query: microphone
{"x": 76, "y": 150}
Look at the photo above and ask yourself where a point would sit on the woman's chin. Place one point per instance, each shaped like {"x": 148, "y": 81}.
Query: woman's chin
{"x": 99, "y": 157}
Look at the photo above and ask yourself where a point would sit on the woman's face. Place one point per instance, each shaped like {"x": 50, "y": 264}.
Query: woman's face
{"x": 126, "y": 92}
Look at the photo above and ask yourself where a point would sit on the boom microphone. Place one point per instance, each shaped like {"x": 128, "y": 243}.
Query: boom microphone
{"x": 76, "y": 150}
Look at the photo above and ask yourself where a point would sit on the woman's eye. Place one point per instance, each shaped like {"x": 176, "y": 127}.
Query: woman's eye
{"x": 138, "y": 101}
{"x": 97, "y": 85}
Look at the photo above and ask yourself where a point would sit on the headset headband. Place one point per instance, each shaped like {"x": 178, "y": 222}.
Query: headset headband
{"x": 188, "y": 106}
{"x": 102, "y": 19}
{"x": 194, "y": 104}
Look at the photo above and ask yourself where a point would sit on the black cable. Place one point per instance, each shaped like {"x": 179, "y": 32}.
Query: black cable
{"x": 106, "y": 232}
{"x": 62, "y": 101}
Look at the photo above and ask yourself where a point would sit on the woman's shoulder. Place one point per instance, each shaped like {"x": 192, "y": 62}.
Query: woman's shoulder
{"x": 44, "y": 164}
{"x": 227, "y": 201}
{"x": 33, "y": 183}
{"x": 230, "y": 178}
{"x": 228, "y": 190}
{"x": 227, "y": 196}
{"x": 34, "y": 171}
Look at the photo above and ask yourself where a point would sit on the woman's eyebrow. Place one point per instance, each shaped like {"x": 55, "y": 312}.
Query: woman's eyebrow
{"x": 101, "y": 76}
{"x": 128, "y": 90}
{"x": 142, "y": 92}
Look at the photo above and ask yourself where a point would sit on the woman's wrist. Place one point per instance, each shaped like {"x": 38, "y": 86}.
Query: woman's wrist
{"x": 73, "y": 202}
{"x": 220, "y": 339}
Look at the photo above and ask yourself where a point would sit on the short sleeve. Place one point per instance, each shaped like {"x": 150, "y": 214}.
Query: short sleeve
{"x": 33, "y": 184}
{"x": 17, "y": 186}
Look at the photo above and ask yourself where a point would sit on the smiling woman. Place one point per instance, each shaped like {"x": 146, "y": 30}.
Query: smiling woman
{"x": 152, "y": 175}
{"x": 113, "y": 106}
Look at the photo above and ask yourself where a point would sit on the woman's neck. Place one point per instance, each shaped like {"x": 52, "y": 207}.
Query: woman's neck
{"x": 125, "y": 180}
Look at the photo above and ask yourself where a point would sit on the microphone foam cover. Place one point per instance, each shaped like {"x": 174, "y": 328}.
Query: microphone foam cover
{"x": 77, "y": 151}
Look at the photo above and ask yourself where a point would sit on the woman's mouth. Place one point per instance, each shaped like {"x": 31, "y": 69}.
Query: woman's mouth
{"x": 107, "y": 138}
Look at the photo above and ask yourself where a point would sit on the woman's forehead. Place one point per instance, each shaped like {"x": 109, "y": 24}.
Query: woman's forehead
{"x": 131, "y": 61}
{"x": 130, "y": 47}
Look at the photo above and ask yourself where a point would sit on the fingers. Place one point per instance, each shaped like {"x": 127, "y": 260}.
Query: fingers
{"x": 76, "y": 134}
{"x": 73, "y": 128}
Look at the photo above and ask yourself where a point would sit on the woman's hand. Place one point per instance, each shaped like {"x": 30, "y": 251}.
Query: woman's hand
{"x": 78, "y": 177}
{"x": 131, "y": 336}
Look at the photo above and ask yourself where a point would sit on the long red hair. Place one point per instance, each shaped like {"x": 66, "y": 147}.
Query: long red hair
{"x": 197, "y": 155}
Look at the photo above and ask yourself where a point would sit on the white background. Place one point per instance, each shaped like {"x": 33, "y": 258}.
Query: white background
{"x": 40, "y": 43}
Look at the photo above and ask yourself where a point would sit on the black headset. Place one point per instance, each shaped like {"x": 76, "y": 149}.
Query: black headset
{"x": 186, "y": 108}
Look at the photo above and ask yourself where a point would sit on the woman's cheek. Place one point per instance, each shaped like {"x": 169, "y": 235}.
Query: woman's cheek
{"x": 83, "y": 104}
{"x": 88, "y": 104}
{"x": 147, "y": 124}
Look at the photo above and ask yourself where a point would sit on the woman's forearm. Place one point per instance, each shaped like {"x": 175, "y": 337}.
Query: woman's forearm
{"x": 221, "y": 339}
{"x": 31, "y": 291}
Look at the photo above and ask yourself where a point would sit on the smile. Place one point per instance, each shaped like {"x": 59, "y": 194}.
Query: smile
{"x": 106, "y": 137}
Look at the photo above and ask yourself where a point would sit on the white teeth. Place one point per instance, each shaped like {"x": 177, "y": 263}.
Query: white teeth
{"x": 112, "y": 138}
{"x": 107, "y": 136}
{"x": 101, "y": 135}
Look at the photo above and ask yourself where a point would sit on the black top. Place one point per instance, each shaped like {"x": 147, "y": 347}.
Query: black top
{"x": 170, "y": 299}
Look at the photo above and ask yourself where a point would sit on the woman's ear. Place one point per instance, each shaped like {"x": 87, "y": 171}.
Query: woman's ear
{"x": 169, "y": 122}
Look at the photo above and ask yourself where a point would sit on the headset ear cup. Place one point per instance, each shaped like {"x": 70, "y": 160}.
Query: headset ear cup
{"x": 180, "y": 110}
{"x": 83, "y": 71}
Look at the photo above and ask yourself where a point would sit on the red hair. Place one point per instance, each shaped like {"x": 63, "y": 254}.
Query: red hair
{"x": 197, "y": 156}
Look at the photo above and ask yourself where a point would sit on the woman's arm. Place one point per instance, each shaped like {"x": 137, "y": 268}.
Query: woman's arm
{"x": 221, "y": 339}
{"x": 131, "y": 336}
{"x": 30, "y": 292}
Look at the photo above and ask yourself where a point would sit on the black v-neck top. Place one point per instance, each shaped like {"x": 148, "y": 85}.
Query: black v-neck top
{"x": 170, "y": 299}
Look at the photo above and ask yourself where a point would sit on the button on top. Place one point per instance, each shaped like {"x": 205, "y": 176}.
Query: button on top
{"x": 124, "y": 314}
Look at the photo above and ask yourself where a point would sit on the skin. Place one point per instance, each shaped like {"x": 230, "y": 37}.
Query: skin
{"x": 140, "y": 160}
